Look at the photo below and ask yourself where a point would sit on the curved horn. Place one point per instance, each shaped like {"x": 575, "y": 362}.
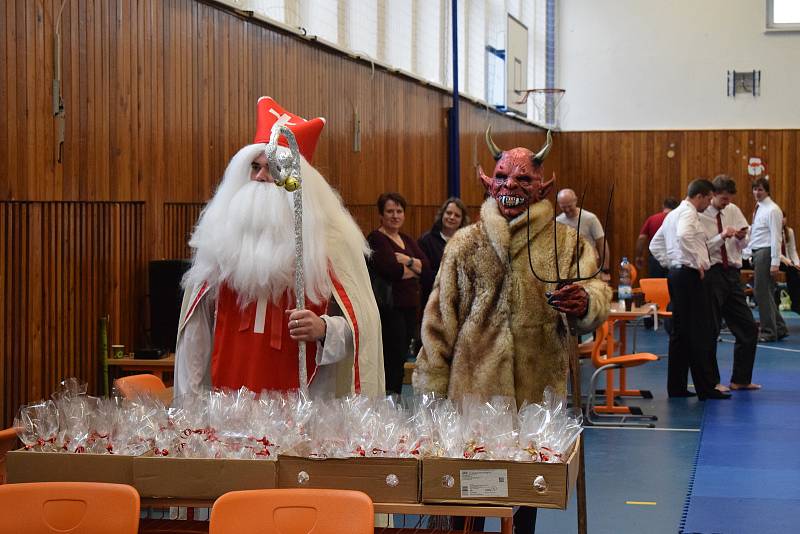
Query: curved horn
{"x": 493, "y": 148}
{"x": 538, "y": 158}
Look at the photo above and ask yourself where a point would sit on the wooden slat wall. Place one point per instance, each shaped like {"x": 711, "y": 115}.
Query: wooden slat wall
{"x": 160, "y": 94}
{"x": 637, "y": 162}
{"x": 65, "y": 264}
{"x": 179, "y": 219}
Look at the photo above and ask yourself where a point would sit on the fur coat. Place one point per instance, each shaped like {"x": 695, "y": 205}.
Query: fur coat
{"x": 487, "y": 328}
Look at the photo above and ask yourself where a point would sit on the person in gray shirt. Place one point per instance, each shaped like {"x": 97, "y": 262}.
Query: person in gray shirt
{"x": 591, "y": 228}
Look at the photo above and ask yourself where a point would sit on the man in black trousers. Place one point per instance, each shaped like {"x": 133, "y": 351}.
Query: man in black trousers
{"x": 680, "y": 244}
{"x": 725, "y": 229}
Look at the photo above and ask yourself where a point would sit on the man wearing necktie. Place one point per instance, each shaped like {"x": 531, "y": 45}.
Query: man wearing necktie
{"x": 765, "y": 242}
{"x": 725, "y": 229}
{"x": 680, "y": 244}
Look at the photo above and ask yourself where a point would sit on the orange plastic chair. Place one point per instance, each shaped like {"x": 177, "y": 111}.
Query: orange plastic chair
{"x": 656, "y": 290}
{"x": 135, "y": 385}
{"x": 586, "y": 347}
{"x": 606, "y": 362}
{"x": 8, "y": 442}
{"x": 293, "y": 511}
{"x": 69, "y": 507}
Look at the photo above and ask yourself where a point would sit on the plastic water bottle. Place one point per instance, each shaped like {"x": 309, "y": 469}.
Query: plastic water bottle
{"x": 624, "y": 291}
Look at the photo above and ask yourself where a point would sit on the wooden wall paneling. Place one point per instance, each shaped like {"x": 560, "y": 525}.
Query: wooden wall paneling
{"x": 47, "y": 154}
{"x": 6, "y": 36}
{"x": 6, "y": 308}
{"x": 33, "y": 26}
{"x": 72, "y": 290}
{"x": 20, "y": 77}
{"x": 64, "y": 265}
{"x": 179, "y": 220}
{"x": 67, "y": 170}
{"x": 24, "y": 299}
{"x": 12, "y": 383}
{"x": 645, "y": 175}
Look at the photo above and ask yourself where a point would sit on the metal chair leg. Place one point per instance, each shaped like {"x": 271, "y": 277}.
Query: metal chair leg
{"x": 594, "y": 419}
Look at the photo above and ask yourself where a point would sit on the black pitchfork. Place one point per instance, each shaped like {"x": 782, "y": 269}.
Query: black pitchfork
{"x": 571, "y": 327}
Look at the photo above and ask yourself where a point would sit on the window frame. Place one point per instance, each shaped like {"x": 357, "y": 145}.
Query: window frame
{"x": 772, "y": 26}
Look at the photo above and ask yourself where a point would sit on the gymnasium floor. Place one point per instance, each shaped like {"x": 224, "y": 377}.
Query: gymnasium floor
{"x": 724, "y": 467}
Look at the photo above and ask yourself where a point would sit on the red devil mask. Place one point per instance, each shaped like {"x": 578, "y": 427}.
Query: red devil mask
{"x": 517, "y": 181}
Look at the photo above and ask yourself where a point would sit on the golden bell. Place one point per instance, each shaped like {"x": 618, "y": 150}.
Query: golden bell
{"x": 292, "y": 184}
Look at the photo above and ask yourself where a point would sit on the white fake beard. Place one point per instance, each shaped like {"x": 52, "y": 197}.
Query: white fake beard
{"x": 252, "y": 249}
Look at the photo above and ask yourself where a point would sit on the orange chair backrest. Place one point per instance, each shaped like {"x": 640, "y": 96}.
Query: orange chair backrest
{"x": 69, "y": 507}
{"x": 8, "y": 441}
{"x": 134, "y": 385}
{"x": 634, "y": 274}
{"x": 655, "y": 290}
{"x": 599, "y": 353}
{"x": 293, "y": 511}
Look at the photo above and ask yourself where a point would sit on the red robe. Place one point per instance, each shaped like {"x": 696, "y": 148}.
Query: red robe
{"x": 252, "y": 346}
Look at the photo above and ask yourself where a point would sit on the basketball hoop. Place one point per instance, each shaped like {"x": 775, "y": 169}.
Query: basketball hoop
{"x": 545, "y": 103}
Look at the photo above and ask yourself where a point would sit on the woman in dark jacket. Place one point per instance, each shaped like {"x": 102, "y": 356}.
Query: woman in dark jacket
{"x": 397, "y": 260}
{"x": 450, "y": 217}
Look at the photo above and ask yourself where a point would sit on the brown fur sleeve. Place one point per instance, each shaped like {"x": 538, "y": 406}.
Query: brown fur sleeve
{"x": 599, "y": 291}
{"x": 439, "y": 330}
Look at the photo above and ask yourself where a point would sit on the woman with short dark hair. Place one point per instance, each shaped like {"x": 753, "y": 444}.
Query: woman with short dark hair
{"x": 398, "y": 264}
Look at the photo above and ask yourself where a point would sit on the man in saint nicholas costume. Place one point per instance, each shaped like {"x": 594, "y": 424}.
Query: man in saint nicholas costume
{"x": 238, "y": 323}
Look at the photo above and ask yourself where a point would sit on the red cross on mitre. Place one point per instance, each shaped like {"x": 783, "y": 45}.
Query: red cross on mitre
{"x": 306, "y": 132}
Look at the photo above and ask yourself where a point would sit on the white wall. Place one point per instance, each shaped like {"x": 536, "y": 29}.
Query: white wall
{"x": 662, "y": 64}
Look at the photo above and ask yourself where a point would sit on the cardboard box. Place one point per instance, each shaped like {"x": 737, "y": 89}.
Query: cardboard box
{"x": 456, "y": 481}
{"x": 30, "y": 466}
{"x": 200, "y": 478}
{"x": 385, "y": 480}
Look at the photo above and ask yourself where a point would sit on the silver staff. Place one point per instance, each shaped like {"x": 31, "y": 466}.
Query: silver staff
{"x": 285, "y": 170}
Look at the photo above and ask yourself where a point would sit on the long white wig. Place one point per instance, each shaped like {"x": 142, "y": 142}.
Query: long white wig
{"x": 245, "y": 235}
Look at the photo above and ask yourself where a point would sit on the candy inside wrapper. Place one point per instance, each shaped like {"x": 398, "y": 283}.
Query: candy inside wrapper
{"x": 245, "y": 425}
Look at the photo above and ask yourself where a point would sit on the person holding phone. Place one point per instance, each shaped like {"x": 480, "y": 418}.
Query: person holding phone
{"x": 725, "y": 228}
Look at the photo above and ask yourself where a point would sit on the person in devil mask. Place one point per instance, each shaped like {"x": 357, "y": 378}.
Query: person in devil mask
{"x": 489, "y": 327}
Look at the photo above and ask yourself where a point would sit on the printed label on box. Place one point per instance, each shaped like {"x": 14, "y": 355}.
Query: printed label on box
{"x": 484, "y": 483}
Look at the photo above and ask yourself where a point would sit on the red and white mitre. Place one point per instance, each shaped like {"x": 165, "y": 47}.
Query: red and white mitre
{"x": 306, "y": 132}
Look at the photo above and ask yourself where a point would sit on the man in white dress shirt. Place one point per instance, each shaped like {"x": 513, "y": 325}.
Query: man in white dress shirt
{"x": 726, "y": 236}
{"x": 765, "y": 244}
{"x": 680, "y": 244}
